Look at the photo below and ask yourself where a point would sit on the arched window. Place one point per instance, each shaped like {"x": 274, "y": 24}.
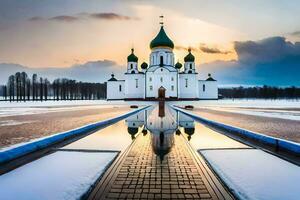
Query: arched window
{"x": 131, "y": 66}
{"x": 203, "y": 88}
{"x": 191, "y": 66}
{"x": 120, "y": 88}
{"x": 161, "y": 60}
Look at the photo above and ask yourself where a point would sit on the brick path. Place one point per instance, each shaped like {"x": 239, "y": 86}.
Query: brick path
{"x": 140, "y": 174}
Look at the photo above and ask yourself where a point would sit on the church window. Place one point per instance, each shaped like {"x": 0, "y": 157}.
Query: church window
{"x": 150, "y": 79}
{"x": 186, "y": 82}
{"x": 131, "y": 66}
{"x": 136, "y": 83}
{"x": 161, "y": 79}
{"x": 190, "y": 72}
{"x": 172, "y": 87}
{"x": 161, "y": 69}
{"x": 191, "y": 66}
{"x": 161, "y": 60}
{"x": 203, "y": 88}
{"x": 172, "y": 78}
{"x": 151, "y": 87}
{"x": 120, "y": 88}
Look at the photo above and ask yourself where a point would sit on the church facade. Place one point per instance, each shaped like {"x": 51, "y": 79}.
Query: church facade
{"x": 179, "y": 82}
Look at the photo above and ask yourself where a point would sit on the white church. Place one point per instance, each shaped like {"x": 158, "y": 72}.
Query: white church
{"x": 145, "y": 82}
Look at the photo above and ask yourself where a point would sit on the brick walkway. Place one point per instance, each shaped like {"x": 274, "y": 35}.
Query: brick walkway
{"x": 140, "y": 174}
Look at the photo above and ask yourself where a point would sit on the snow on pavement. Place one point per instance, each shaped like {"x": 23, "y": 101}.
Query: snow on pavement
{"x": 61, "y": 175}
{"x": 255, "y": 174}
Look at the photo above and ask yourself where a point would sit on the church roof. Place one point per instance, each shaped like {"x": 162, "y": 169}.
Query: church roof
{"x": 189, "y": 57}
{"x": 132, "y": 57}
{"x": 144, "y": 65}
{"x": 178, "y": 65}
{"x": 162, "y": 40}
{"x": 112, "y": 78}
{"x": 210, "y": 78}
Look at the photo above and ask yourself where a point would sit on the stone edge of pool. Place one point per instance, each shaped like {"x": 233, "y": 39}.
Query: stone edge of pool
{"x": 278, "y": 143}
{"x": 19, "y": 150}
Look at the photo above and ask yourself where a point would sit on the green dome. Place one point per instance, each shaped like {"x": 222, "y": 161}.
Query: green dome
{"x": 178, "y": 65}
{"x": 189, "y": 57}
{"x": 161, "y": 40}
{"x": 144, "y": 65}
{"x": 132, "y": 57}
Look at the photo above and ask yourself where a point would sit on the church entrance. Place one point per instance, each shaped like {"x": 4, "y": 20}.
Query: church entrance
{"x": 161, "y": 93}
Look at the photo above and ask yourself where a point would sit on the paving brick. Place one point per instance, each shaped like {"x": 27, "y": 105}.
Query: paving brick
{"x": 142, "y": 175}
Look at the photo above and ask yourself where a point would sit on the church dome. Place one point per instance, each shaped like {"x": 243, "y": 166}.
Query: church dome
{"x": 161, "y": 40}
{"x": 189, "y": 57}
{"x": 144, "y": 65}
{"x": 132, "y": 57}
{"x": 178, "y": 65}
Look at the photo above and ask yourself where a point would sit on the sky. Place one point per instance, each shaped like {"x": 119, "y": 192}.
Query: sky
{"x": 241, "y": 42}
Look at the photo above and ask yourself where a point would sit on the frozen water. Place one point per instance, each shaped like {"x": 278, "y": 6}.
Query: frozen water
{"x": 61, "y": 175}
{"x": 255, "y": 174}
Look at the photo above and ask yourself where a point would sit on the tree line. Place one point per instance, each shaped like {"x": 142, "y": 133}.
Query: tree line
{"x": 264, "y": 92}
{"x": 21, "y": 87}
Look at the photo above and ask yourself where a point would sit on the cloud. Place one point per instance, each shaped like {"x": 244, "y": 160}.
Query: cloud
{"x": 64, "y": 18}
{"x": 267, "y": 50}
{"x": 36, "y": 18}
{"x": 212, "y": 50}
{"x": 72, "y": 18}
{"x": 110, "y": 16}
{"x": 183, "y": 48}
{"x": 271, "y": 61}
{"x": 92, "y": 71}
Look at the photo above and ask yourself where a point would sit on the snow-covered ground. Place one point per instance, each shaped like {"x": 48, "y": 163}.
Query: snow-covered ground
{"x": 38, "y": 107}
{"x": 283, "y": 109}
{"x": 61, "y": 175}
{"x": 255, "y": 174}
{"x": 250, "y": 103}
{"x": 282, "y": 114}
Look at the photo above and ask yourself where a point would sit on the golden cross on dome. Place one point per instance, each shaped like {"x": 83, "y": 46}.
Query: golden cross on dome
{"x": 161, "y": 20}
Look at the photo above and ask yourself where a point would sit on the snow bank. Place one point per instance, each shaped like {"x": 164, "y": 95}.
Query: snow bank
{"x": 246, "y": 103}
{"x": 290, "y": 146}
{"x": 13, "y": 152}
{"x": 60, "y": 176}
{"x": 255, "y": 174}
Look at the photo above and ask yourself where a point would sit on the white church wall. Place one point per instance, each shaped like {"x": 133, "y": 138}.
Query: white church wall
{"x": 208, "y": 89}
{"x": 188, "y": 86}
{"x": 189, "y": 67}
{"x": 132, "y": 67}
{"x": 115, "y": 90}
{"x": 135, "y": 86}
{"x": 161, "y": 77}
{"x": 166, "y": 53}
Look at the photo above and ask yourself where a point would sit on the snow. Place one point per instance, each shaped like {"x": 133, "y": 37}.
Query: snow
{"x": 15, "y": 151}
{"x": 250, "y": 103}
{"x": 61, "y": 175}
{"x": 37, "y": 107}
{"x": 13, "y": 122}
{"x": 255, "y": 174}
{"x": 265, "y": 139}
{"x": 282, "y": 114}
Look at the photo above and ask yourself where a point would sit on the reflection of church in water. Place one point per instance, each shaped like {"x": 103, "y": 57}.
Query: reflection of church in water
{"x": 162, "y": 128}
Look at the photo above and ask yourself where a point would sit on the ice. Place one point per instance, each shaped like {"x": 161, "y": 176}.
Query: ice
{"x": 255, "y": 174}
{"x": 61, "y": 175}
